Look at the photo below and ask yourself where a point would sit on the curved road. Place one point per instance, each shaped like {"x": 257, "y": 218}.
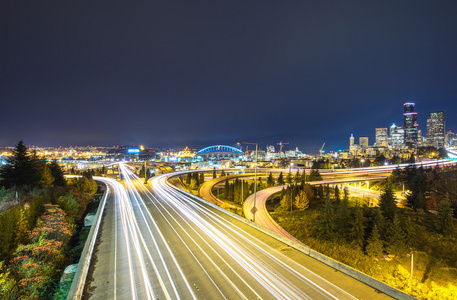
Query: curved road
{"x": 158, "y": 242}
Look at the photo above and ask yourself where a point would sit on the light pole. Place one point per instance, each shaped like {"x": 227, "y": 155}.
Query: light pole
{"x": 254, "y": 209}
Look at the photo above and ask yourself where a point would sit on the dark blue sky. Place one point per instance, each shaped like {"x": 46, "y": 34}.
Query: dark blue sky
{"x": 197, "y": 73}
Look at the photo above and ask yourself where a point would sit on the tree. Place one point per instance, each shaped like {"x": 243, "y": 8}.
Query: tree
{"x": 57, "y": 173}
{"x": 270, "y": 180}
{"x": 326, "y": 221}
{"x": 396, "y": 237}
{"x": 285, "y": 202}
{"x": 314, "y": 174}
{"x": 301, "y": 201}
{"x": 47, "y": 179}
{"x": 374, "y": 246}
{"x": 20, "y": 169}
{"x": 280, "y": 179}
{"x": 222, "y": 174}
{"x": 188, "y": 178}
{"x": 214, "y": 173}
{"x": 297, "y": 177}
{"x": 343, "y": 218}
{"x": 289, "y": 178}
{"x": 358, "y": 229}
{"x": 86, "y": 186}
{"x": 387, "y": 203}
{"x": 202, "y": 178}
{"x": 446, "y": 221}
{"x": 337, "y": 194}
{"x": 22, "y": 231}
{"x": 193, "y": 184}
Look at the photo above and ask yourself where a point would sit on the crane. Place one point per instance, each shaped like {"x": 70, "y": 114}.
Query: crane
{"x": 320, "y": 150}
{"x": 281, "y": 144}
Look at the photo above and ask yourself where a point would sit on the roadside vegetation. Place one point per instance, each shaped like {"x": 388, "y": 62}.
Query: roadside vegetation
{"x": 379, "y": 241}
{"x": 38, "y": 228}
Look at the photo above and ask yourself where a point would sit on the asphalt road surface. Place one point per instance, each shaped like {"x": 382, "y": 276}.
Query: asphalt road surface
{"x": 160, "y": 243}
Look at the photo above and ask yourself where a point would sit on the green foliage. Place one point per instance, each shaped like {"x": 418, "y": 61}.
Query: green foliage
{"x": 326, "y": 222}
{"x": 289, "y": 178}
{"x": 47, "y": 179}
{"x": 358, "y": 229}
{"x": 314, "y": 174}
{"x": 337, "y": 194}
{"x": 193, "y": 184}
{"x": 270, "y": 180}
{"x": 301, "y": 201}
{"x": 85, "y": 185}
{"x": 214, "y": 173}
{"x": 374, "y": 246}
{"x": 387, "y": 203}
{"x": 343, "y": 218}
{"x": 446, "y": 221}
{"x": 396, "y": 238}
{"x": 280, "y": 179}
{"x": 285, "y": 202}
{"x": 57, "y": 174}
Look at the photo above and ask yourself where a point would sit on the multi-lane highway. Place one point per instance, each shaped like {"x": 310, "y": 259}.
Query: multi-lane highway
{"x": 161, "y": 243}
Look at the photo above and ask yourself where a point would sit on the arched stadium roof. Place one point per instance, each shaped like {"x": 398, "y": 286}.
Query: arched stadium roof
{"x": 220, "y": 148}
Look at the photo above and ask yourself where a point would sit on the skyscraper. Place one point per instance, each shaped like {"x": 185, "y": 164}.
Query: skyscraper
{"x": 363, "y": 142}
{"x": 410, "y": 124}
{"x": 381, "y": 136}
{"x": 435, "y": 129}
{"x": 396, "y": 137}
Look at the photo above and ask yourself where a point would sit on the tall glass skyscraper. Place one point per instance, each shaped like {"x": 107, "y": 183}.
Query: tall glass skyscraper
{"x": 410, "y": 124}
{"x": 436, "y": 129}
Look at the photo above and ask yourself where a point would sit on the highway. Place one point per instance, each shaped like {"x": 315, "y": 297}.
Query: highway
{"x": 158, "y": 242}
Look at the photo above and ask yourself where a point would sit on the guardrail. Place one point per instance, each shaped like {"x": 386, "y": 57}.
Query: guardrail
{"x": 368, "y": 280}
{"x": 79, "y": 281}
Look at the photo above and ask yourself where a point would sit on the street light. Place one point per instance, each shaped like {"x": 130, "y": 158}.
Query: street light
{"x": 254, "y": 209}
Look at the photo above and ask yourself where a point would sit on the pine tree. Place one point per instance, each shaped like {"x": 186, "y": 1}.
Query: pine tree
{"x": 57, "y": 173}
{"x": 214, "y": 173}
{"x": 374, "y": 246}
{"x": 343, "y": 218}
{"x": 301, "y": 201}
{"x": 387, "y": 203}
{"x": 201, "y": 180}
{"x": 289, "y": 178}
{"x": 326, "y": 221}
{"x": 270, "y": 180}
{"x": 280, "y": 179}
{"x": 226, "y": 188}
{"x": 396, "y": 238}
{"x": 21, "y": 169}
{"x": 297, "y": 177}
{"x": 446, "y": 221}
{"x": 337, "y": 194}
{"x": 222, "y": 174}
{"x": 358, "y": 229}
{"x": 188, "y": 178}
{"x": 46, "y": 176}
{"x": 22, "y": 231}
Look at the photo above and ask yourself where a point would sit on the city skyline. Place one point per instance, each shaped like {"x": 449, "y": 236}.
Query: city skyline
{"x": 217, "y": 73}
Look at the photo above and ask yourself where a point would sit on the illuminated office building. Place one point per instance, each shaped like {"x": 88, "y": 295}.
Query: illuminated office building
{"x": 410, "y": 124}
{"x": 436, "y": 129}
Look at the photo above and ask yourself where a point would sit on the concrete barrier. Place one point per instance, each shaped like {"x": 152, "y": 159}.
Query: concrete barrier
{"x": 79, "y": 281}
{"x": 368, "y": 280}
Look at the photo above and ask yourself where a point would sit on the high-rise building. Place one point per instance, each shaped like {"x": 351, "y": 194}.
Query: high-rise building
{"x": 449, "y": 138}
{"x": 351, "y": 140}
{"x": 363, "y": 142}
{"x": 410, "y": 124}
{"x": 435, "y": 129}
{"x": 381, "y": 136}
{"x": 396, "y": 137}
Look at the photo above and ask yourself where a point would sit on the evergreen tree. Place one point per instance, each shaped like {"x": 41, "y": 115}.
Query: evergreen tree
{"x": 201, "y": 180}
{"x": 446, "y": 221}
{"x": 280, "y": 179}
{"x": 374, "y": 246}
{"x": 20, "y": 169}
{"x": 396, "y": 238}
{"x": 289, "y": 178}
{"x": 214, "y": 173}
{"x": 231, "y": 194}
{"x": 337, "y": 194}
{"x": 22, "y": 232}
{"x": 46, "y": 176}
{"x": 327, "y": 190}
{"x": 410, "y": 232}
{"x": 188, "y": 178}
{"x": 320, "y": 191}
{"x": 301, "y": 201}
{"x": 297, "y": 177}
{"x": 226, "y": 188}
{"x": 387, "y": 203}
{"x": 315, "y": 175}
{"x": 222, "y": 174}
{"x": 270, "y": 180}
{"x": 343, "y": 218}
{"x": 358, "y": 229}
{"x": 57, "y": 173}
{"x": 326, "y": 221}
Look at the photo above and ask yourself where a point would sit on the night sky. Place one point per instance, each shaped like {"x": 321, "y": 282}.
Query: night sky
{"x": 197, "y": 73}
